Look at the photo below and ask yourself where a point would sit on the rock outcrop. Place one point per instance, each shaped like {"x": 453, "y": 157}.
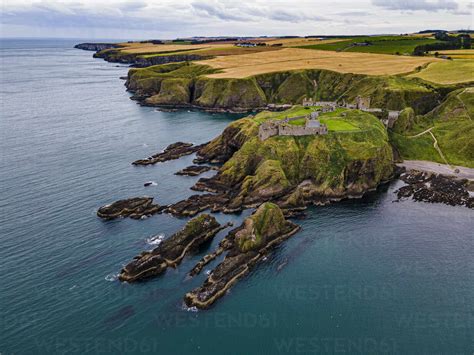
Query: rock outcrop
{"x": 95, "y": 46}
{"x": 435, "y": 188}
{"x": 246, "y": 245}
{"x": 136, "y": 208}
{"x": 171, "y": 152}
{"x": 194, "y": 170}
{"x": 171, "y": 251}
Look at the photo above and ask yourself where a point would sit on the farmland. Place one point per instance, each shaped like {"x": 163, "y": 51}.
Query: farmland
{"x": 457, "y": 53}
{"x": 380, "y": 45}
{"x": 448, "y": 72}
{"x": 295, "y": 58}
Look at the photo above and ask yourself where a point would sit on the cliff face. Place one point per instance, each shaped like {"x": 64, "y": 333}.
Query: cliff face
{"x": 141, "y": 60}
{"x": 298, "y": 170}
{"x": 95, "y": 46}
{"x": 194, "y": 89}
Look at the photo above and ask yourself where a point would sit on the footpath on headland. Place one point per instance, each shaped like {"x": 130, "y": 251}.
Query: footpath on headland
{"x": 422, "y": 165}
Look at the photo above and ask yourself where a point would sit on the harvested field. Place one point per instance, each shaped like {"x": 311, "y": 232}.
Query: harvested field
{"x": 137, "y": 48}
{"x": 294, "y": 58}
{"x": 448, "y": 72}
{"x": 296, "y": 42}
{"x": 458, "y": 53}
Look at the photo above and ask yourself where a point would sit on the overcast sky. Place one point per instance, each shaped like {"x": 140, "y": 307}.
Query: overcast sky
{"x": 146, "y": 19}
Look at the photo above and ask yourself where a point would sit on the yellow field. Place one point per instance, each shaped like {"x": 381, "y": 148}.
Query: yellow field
{"x": 294, "y": 58}
{"x": 297, "y": 42}
{"x": 148, "y": 48}
{"x": 448, "y": 72}
{"x": 138, "y": 48}
{"x": 458, "y": 53}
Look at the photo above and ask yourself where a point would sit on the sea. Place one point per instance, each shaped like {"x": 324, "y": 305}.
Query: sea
{"x": 365, "y": 276}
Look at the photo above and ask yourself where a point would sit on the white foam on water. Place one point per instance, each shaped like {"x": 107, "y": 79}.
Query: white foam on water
{"x": 208, "y": 272}
{"x": 189, "y": 309}
{"x": 111, "y": 277}
{"x": 155, "y": 239}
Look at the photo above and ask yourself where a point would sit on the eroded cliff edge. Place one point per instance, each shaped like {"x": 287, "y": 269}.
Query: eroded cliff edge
{"x": 292, "y": 171}
{"x": 185, "y": 84}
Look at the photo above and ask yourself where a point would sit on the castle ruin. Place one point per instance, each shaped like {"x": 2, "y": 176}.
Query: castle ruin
{"x": 361, "y": 103}
{"x": 312, "y": 126}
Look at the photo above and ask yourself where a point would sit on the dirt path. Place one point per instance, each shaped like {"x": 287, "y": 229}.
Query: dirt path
{"x": 435, "y": 144}
{"x": 420, "y": 134}
{"x": 422, "y": 165}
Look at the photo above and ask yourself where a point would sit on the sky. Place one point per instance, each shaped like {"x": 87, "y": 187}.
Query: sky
{"x": 166, "y": 19}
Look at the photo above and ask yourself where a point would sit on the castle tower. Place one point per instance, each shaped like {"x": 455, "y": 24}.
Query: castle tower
{"x": 362, "y": 103}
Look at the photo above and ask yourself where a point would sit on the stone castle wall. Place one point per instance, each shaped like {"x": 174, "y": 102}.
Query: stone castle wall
{"x": 287, "y": 130}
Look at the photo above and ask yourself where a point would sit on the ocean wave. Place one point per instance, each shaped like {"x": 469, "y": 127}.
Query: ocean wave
{"x": 189, "y": 309}
{"x": 155, "y": 239}
{"x": 112, "y": 277}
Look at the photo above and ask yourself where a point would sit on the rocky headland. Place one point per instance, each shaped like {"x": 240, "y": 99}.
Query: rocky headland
{"x": 245, "y": 247}
{"x": 172, "y": 250}
{"x": 96, "y": 47}
{"x": 291, "y": 171}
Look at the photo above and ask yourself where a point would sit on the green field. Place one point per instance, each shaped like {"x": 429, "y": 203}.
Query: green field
{"x": 379, "y": 44}
{"x": 337, "y": 124}
{"x": 448, "y": 72}
{"x": 333, "y": 120}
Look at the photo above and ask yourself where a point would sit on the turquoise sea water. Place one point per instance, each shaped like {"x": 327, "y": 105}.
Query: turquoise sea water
{"x": 367, "y": 276}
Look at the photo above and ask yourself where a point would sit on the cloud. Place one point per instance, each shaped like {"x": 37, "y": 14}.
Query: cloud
{"x": 416, "y": 5}
{"x": 219, "y": 11}
{"x": 56, "y": 15}
{"x": 246, "y": 13}
{"x": 132, "y": 6}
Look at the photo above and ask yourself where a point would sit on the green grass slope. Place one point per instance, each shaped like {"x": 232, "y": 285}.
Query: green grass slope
{"x": 194, "y": 88}
{"x": 338, "y": 164}
{"x": 378, "y": 44}
{"x": 452, "y": 124}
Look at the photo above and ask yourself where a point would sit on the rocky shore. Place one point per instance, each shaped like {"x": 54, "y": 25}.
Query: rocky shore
{"x": 172, "y": 250}
{"x": 436, "y": 188}
{"x": 245, "y": 247}
{"x": 194, "y": 170}
{"x": 171, "y": 152}
{"x": 96, "y": 47}
{"x": 135, "y": 208}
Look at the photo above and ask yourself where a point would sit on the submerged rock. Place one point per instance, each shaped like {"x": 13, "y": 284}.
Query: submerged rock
{"x": 171, "y": 251}
{"x": 435, "y": 188}
{"x": 135, "y": 207}
{"x": 194, "y": 170}
{"x": 246, "y": 245}
{"x": 173, "y": 151}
